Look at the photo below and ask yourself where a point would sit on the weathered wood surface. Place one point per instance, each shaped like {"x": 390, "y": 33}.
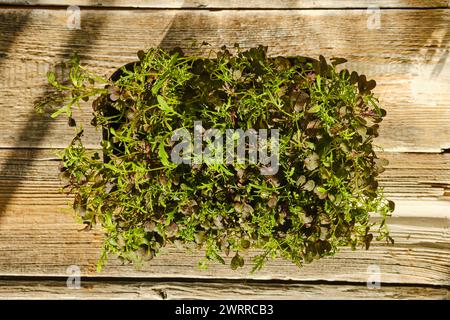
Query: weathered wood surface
{"x": 44, "y": 240}
{"x": 38, "y": 235}
{"x": 407, "y": 56}
{"x": 157, "y": 290}
{"x": 220, "y": 4}
{"x": 408, "y": 59}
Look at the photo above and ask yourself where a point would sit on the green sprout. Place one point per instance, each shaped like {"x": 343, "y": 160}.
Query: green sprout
{"x": 321, "y": 198}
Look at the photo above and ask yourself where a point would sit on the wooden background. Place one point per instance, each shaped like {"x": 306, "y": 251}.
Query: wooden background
{"x": 407, "y": 55}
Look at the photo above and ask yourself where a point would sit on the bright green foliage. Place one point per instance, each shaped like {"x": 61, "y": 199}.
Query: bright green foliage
{"x": 319, "y": 200}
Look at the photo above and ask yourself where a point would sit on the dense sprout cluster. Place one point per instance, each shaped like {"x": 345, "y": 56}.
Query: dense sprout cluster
{"x": 319, "y": 200}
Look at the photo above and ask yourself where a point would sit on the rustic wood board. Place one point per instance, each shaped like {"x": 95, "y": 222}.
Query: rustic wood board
{"x": 263, "y": 4}
{"x": 39, "y": 238}
{"x": 44, "y": 240}
{"x": 169, "y": 289}
{"x": 408, "y": 59}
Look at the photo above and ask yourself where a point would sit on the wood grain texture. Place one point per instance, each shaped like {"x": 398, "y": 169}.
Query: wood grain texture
{"x": 408, "y": 59}
{"x": 43, "y": 240}
{"x": 30, "y": 176}
{"x": 407, "y": 55}
{"x": 416, "y": 175}
{"x": 227, "y": 4}
{"x": 39, "y": 236}
{"x": 205, "y": 290}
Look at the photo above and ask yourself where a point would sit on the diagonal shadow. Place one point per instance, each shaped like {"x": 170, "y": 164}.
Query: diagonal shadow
{"x": 84, "y": 37}
{"x": 8, "y": 36}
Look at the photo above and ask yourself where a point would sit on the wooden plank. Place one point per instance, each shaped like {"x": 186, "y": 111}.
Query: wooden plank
{"x": 30, "y": 176}
{"x": 44, "y": 240}
{"x": 416, "y": 175}
{"x": 408, "y": 59}
{"x": 227, "y": 4}
{"x": 157, "y": 290}
{"x": 39, "y": 236}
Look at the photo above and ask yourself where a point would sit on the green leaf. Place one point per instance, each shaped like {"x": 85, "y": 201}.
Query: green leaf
{"x": 59, "y": 111}
{"x": 370, "y": 85}
{"x": 320, "y": 192}
{"x": 368, "y": 240}
{"x": 354, "y": 77}
{"x": 163, "y": 156}
{"x": 319, "y": 82}
{"x": 312, "y": 161}
{"x": 391, "y": 205}
{"x": 163, "y": 105}
{"x": 301, "y": 180}
{"x": 237, "y": 261}
{"x": 384, "y": 162}
{"x": 219, "y": 258}
{"x": 234, "y": 262}
{"x": 314, "y": 109}
{"x": 309, "y": 185}
{"x": 337, "y": 61}
{"x": 237, "y": 74}
{"x": 323, "y": 65}
{"x": 245, "y": 243}
{"x": 51, "y": 77}
{"x": 141, "y": 55}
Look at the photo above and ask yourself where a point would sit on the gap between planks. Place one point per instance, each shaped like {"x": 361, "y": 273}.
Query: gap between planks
{"x": 235, "y": 4}
{"x": 167, "y": 289}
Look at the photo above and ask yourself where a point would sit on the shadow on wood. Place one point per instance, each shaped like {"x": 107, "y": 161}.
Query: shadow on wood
{"x": 87, "y": 38}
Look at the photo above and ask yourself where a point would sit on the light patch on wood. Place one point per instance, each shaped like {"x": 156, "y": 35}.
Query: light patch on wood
{"x": 226, "y": 4}
{"x": 389, "y": 55}
{"x": 48, "y": 239}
